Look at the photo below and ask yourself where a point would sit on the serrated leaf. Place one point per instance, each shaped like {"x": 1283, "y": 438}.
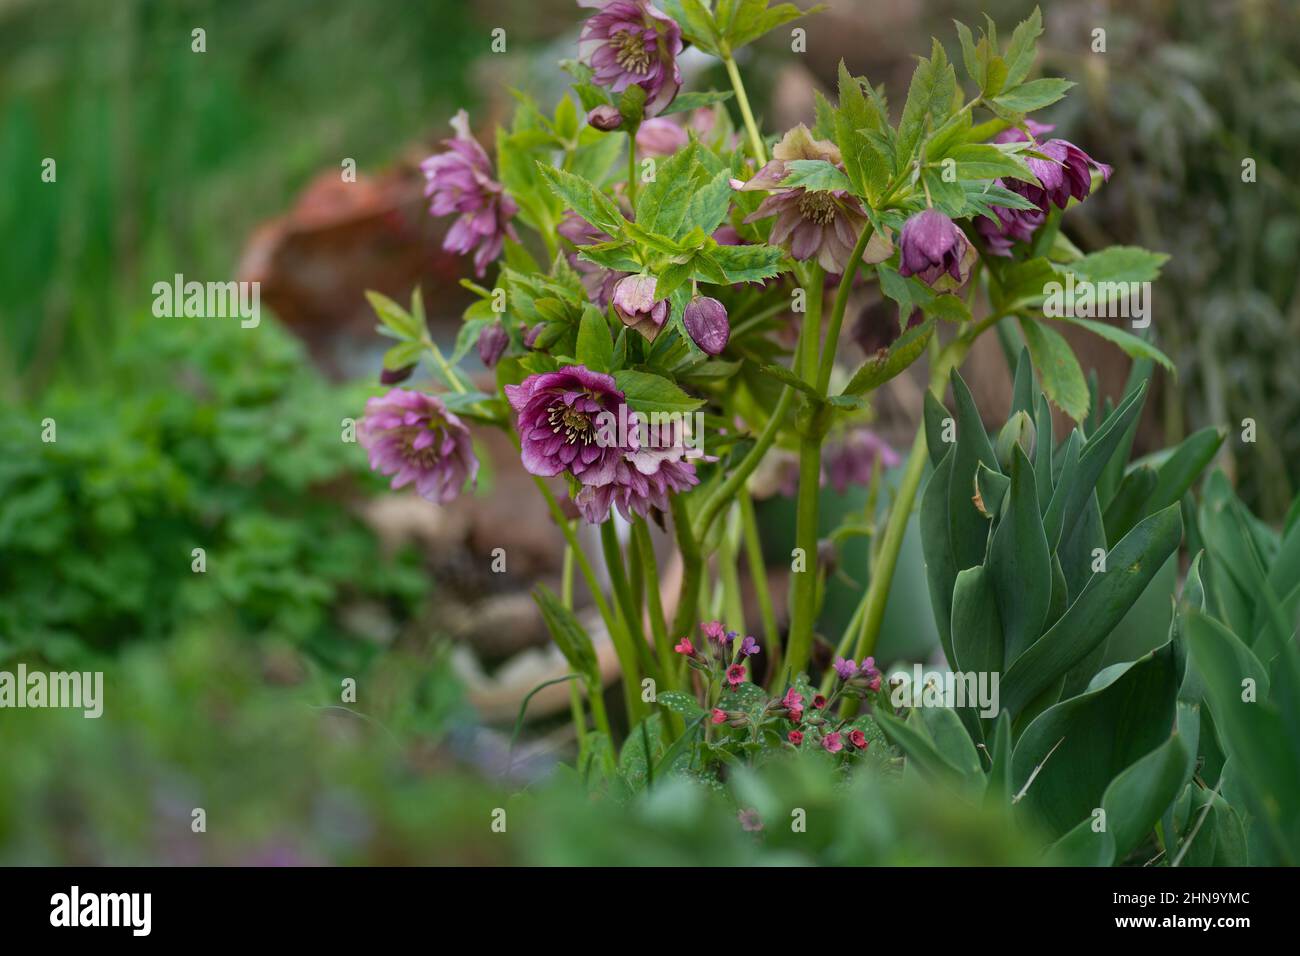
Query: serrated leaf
{"x": 1059, "y": 370}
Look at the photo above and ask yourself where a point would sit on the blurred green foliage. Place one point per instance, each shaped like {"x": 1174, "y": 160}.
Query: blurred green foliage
{"x": 167, "y": 158}
{"x": 200, "y": 435}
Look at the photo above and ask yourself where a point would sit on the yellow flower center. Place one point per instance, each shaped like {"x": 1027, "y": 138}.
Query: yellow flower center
{"x": 631, "y": 53}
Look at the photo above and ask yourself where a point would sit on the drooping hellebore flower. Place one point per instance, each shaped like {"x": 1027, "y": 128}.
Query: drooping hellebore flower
{"x": 632, "y": 42}
{"x": 932, "y": 245}
{"x": 460, "y": 181}
{"x": 707, "y": 324}
{"x": 635, "y": 304}
{"x": 413, "y": 437}
{"x": 823, "y": 224}
{"x": 852, "y": 459}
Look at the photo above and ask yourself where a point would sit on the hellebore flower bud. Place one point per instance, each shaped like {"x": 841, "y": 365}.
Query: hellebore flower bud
{"x": 605, "y": 118}
{"x": 636, "y": 306}
{"x": 492, "y": 341}
{"x": 533, "y": 334}
{"x": 707, "y": 324}
{"x": 932, "y": 245}
{"x": 393, "y": 376}
{"x": 1020, "y": 431}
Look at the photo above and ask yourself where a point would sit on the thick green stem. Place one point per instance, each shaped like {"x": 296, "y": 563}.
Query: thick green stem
{"x": 623, "y": 598}
{"x": 631, "y": 168}
{"x": 692, "y": 568}
{"x": 658, "y": 626}
{"x": 837, "y": 313}
{"x": 755, "y": 140}
{"x": 758, "y": 577}
{"x": 803, "y": 607}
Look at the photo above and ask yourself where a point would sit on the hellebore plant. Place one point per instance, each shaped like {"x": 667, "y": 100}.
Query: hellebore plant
{"x": 647, "y": 264}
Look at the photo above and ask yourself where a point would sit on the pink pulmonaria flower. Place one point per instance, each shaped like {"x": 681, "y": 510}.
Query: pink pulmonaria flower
{"x": 871, "y": 673}
{"x": 414, "y": 438}
{"x": 736, "y": 675}
{"x": 684, "y": 646}
{"x": 749, "y": 821}
{"x": 795, "y": 737}
{"x": 635, "y": 304}
{"x": 715, "y": 632}
{"x": 823, "y": 224}
{"x": 792, "y": 699}
{"x": 749, "y": 647}
{"x": 831, "y": 743}
{"x": 460, "y": 181}
{"x": 719, "y": 716}
{"x": 845, "y": 670}
{"x": 858, "y": 739}
{"x": 632, "y": 42}
{"x": 818, "y": 702}
{"x": 932, "y": 245}
{"x": 660, "y": 137}
{"x": 852, "y": 459}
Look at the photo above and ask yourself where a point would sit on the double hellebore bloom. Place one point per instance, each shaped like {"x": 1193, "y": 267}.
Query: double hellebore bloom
{"x": 566, "y": 419}
{"x": 707, "y": 324}
{"x": 931, "y": 246}
{"x": 823, "y": 224}
{"x": 636, "y": 306}
{"x": 632, "y": 42}
{"x": 460, "y": 181}
{"x": 414, "y": 438}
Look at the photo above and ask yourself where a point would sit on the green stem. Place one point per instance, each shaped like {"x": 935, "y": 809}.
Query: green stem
{"x": 658, "y": 626}
{"x": 731, "y": 487}
{"x": 803, "y": 604}
{"x": 575, "y": 694}
{"x": 621, "y": 639}
{"x": 732, "y": 609}
{"x": 755, "y": 140}
{"x": 692, "y": 567}
{"x": 623, "y": 598}
{"x": 631, "y": 168}
{"x": 758, "y": 577}
{"x": 837, "y": 313}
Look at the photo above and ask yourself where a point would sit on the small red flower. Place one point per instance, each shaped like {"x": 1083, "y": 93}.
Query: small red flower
{"x": 795, "y": 737}
{"x": 719, "y": 716}
{"x": 832, "y": 743}
{"x": 684, "y": 646}
{"x": 819, "y": 702}
{"x": 858, "y": 739}
{"x": 736, "y": 674}
{"x": 796, "y": 715}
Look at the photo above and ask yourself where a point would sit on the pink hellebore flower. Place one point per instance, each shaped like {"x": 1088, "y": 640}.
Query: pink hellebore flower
{"x": 414, "y": 438}
{"x": 460, "y": 181}
{"x": 632, "y": 43}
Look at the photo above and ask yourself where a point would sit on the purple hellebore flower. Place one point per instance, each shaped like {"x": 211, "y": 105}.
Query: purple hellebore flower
{"x": 845, "y": 670}
{"x": 660, "y": 137}
{"x": 605, "y": 118}
{"x": 707, "y": 324}
{"x": 1013, "y": 225}
{"x": 460, "y": 181}
{"x": 931, "y": 245}
{"x": 822, "y": 225}
{"x": 749, "y": 647}
{"x": 413, "y": 437}
{"x": 851, "y": 460}
{"x": 635, "y": 304}
{"x": 559, "y": 421}
{"x": 634, "y": 492}
{"x": 632, "y": 42}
